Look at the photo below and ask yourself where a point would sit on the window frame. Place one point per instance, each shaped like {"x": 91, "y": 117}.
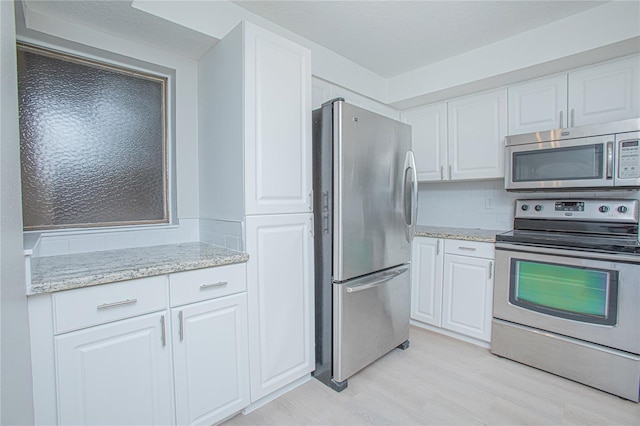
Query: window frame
{"x": 114, "y": 62}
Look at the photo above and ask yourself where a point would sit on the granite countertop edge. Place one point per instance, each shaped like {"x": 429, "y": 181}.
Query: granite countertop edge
{"x": 453, "y": 233}
{"x": 219, "y": 257}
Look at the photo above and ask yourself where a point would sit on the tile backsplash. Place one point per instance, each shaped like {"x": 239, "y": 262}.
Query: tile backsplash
{"x": 53, "y": 244}
{"x": 484, "y": 204}
{"x": 223, "y": 233}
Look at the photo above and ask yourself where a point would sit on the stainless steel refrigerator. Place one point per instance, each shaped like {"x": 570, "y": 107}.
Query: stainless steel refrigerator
{"x": 365, "y": 201}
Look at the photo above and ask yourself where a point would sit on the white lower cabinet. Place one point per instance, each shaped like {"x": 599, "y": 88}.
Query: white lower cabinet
{"x": 280, "y": 292}
{"x": 210, "y": 353}
{"x": 452, "y": 286}
{"x": 467, "y": 294}
{"x": 426, "y": 280}
{"x": 116, "y": 374}
{"x": 112, "y": 362}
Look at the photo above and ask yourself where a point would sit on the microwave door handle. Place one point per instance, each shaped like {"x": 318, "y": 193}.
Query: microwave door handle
{"x": 609, "y": 169}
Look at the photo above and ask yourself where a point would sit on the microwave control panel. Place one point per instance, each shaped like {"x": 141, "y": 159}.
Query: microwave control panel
{"x": 629, "y": 159}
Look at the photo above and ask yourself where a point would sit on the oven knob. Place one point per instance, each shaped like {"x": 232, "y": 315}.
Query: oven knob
{"x": 538, "y": 207}
{"x": 525, "y": 207}
{"x": 623, "y": 209}
{"x": 603, "y": 209}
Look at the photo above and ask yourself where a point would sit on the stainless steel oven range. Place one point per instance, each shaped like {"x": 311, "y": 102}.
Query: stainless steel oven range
{"x": 567, "y": 291}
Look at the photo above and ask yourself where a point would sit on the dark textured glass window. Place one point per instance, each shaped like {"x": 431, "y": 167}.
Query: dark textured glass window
{"x": 93, "y": 143}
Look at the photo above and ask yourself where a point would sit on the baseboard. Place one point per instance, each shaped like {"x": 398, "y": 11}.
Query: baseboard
{"x": 472, "y": 340}
{"x": 273, "y": 395}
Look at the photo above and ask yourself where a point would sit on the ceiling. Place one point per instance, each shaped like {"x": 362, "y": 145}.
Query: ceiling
{"x": 388, "y": 38}
{"x": 394, "y": 37}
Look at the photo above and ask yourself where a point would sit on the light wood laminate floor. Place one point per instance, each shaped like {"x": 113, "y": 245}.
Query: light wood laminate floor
{"x": 443, "y": 381}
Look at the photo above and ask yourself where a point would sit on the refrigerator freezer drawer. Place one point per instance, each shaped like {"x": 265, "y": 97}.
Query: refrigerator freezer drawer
{"x": 371, "y": 317}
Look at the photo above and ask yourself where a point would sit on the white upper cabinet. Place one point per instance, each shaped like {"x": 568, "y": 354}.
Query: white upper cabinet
{"x": 477, "y": 126}
{"x": 322, "y": 91}
{"x": 429, "y": 140}
{"x": 606, "y": 92}
{"x": 538, "y": 105}
{"x": 462, "y": 139}
{"x": 597, "y": 94}
{"x": 254, "y": 126}
{"x": 277, "y": 124}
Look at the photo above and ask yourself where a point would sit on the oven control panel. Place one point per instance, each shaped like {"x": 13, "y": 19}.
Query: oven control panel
{"x": 606, "y": 209}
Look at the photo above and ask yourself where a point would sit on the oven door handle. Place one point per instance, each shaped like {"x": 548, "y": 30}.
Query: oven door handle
{"x": 615, "y": 257}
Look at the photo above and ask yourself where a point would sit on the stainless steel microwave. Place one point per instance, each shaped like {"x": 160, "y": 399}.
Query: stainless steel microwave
{"x": 602, "y": 156}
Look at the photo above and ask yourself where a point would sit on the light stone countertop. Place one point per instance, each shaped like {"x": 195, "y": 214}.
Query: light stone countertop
{"x": 466, "y": 234}
{"x": 66, "y": 272}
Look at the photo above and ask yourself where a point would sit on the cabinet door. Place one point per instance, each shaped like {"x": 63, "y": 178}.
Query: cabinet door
{"x": 117, "y": 373}
{"x": 349, "y": 96}
{"x": 426, "y": 280}
{"x": 320, "y": 92}
{"x": 538, "y": 105}
{"x": 429, "y": 141}
{"x": 606, "y": 92}
{"x": 467, "y": 296}
{"x": 211, "y": 359}
{"x": 382, "y": 109}
{"x": 477, "y": 127}
{"x": 277, "y": 124}
{"x": 280, "y": 292}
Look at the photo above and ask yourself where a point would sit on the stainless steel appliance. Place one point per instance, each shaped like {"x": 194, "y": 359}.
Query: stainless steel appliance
{"x": 365, "y": 200}
{"x": 602, "y": 156}
{"x": 567, "y": 291}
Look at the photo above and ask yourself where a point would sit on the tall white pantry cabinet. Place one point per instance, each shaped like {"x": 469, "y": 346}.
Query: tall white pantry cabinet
{"x": 255, "y": 168}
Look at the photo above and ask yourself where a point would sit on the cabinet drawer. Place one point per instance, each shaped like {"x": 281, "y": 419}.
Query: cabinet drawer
{"x": 203, "y": 284}
{"x": 470, "y": 248}
{"x": 84, "y": 307}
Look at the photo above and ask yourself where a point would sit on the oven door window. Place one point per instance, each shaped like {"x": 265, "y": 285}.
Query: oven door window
{"x": 581, "y": 294}
{"x": 557, "y": 164}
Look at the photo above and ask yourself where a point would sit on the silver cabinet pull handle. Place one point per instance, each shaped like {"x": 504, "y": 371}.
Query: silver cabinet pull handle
{"x": 561, "y": 119}
{"x": 163, "y": 336}
{"x": 467, "y": 248}
{"x": 490, "y": 270}
{"x": 114, "y": 304}
{"x": 218, "y": 284}
{"x": 441, "y": 172}
{"x": 181, "y": 322}
{"x": 437, "y": 247}
{"x": 573, "y": 117}
{"x": 450, "y": 178}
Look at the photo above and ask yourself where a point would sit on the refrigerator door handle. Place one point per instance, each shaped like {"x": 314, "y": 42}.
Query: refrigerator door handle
{"x": 375, "y": 281}
{"x": 411, "y": 204}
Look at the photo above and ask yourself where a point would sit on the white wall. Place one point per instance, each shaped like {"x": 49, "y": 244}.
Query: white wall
{"x": 484, "y": 204}
{"x": 463, "y": 204}
{"x": 53, "y": 32}
{"x": 16, "y": 406}
{"x": 217, "y": 18}
{"x": 598, "y": 34}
